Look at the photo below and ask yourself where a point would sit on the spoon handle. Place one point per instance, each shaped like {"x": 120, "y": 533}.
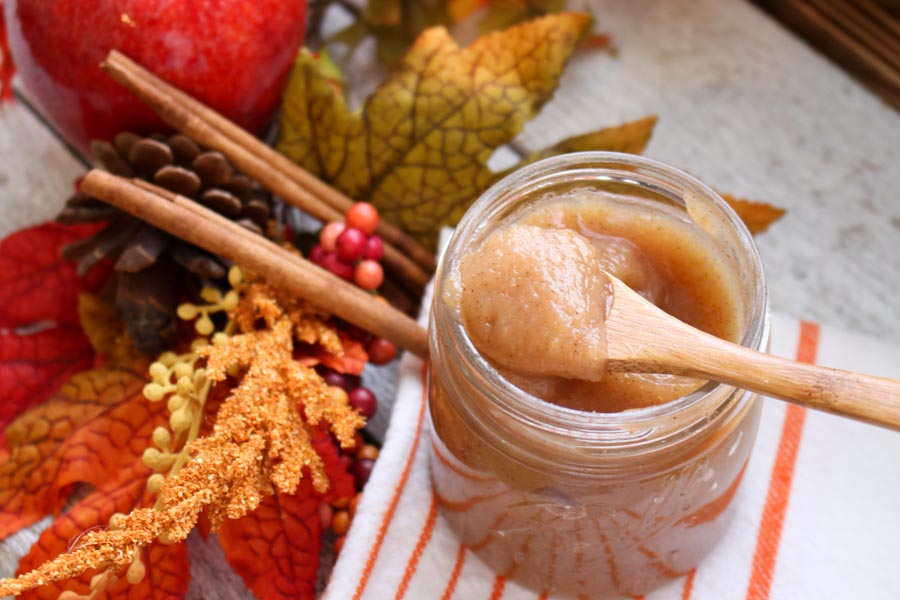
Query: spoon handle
{"x": 865, "y": 398}
{"x": 641, "y": 338}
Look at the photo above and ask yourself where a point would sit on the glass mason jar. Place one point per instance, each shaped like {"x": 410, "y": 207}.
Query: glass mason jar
{"x": 580, "y": 503}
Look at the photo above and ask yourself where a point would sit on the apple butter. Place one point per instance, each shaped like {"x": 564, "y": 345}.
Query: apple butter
{"x": 569, "y": 480}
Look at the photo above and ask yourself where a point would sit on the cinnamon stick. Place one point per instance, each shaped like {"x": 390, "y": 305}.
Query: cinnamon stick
{"x": 403, "y": 256}
{"x": 202, "y": 227}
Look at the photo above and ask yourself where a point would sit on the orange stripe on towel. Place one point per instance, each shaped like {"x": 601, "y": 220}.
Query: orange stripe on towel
{"x": 688, "y": 585}
{"x": 424, "y": 537}
{"x": 768, "y": 538}
{"x": 395, "y": 500}
{"x": 454, "y": 576}
{"x": 499, "y": 586}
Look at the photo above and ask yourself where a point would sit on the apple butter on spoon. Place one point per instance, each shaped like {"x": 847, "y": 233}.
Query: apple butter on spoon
{"x": 540, "y": 308}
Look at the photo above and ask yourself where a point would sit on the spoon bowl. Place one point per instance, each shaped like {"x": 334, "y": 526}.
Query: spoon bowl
{"x": 642, "y": 338}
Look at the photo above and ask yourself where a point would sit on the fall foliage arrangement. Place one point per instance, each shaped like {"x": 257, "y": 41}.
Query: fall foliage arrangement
{"x": 151, "y": 387}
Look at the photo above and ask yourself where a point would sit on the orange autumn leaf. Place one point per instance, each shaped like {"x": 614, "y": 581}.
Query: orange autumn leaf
{"x": 166, "y": 566}
{"x": 756, "y": 215}
{"x": 419, "y": 147}
{"x": 92, "y": 431}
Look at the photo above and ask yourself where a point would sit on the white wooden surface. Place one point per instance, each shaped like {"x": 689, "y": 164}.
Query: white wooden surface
{"x": 743, "y": 105}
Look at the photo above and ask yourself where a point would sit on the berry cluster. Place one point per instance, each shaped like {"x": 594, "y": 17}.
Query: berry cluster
{"x": 351, "y": 250}
{"x": 359, "y": 460}
{"x": 338, "y": 515}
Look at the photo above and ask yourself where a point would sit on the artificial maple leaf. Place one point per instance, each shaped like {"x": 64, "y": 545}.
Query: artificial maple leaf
{"x": 33, "y": 366}
{"x": 36, "y": 284}
{"x": 166, "y": 565}
{"x": 275, "y": 549}
{"x": 92, "y": 431}
{"x": 756, "y": 215}
{"x": 351, "y": 361}
{"x": 500, "y": 14}
{"x": 41, "y": 343}
{"x": 418, "y": 149}
{"x": 7, "y": 69}
{"x": 631, "y": 137}
{"x": 393, "y": 24}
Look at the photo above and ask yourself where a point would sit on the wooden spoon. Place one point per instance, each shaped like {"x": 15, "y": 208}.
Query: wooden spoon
{"x": 642, "y": 338}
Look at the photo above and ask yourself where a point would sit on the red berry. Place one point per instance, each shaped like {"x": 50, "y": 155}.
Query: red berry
{"x": 353, "y": 381}
{"x": 362, "y": 470}
{"x": 381, "y": 351}
{"x": 368, "y": 275}
{"x": 351, "y": 244}
{"x": 374, "y": 248}
{"x": 334, "y": 264}
{"x": 363, "y": 400}
{"x": 340, "y": 522}
{"x": 358, "y": 443}
{"x": 316, "y": 254}
{"x": 329, "y": 235}
{"x": 335, "y": 379}
{"x": 364, "y": 216}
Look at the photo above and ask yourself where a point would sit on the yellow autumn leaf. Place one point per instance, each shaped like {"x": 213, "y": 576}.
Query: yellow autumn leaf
{"x": 418, "y": 148}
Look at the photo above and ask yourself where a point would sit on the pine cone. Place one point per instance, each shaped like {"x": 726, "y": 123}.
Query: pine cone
{"x": 152, "y": 269}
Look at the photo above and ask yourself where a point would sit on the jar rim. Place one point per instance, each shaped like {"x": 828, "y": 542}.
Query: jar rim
{"x": 632, "y": 427}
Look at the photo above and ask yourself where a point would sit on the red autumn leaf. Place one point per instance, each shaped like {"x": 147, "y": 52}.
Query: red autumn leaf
{"x": 92, "y": 431}
{"x": 34, "y": 366}
{"x": 41, "y": 343}
{"x": 36, "y": 284}
{"x": 7, "y": 69}
{"x": 341, "y": 481}
{"x": 167, "y": 567}
{"x": 276, "y": 548}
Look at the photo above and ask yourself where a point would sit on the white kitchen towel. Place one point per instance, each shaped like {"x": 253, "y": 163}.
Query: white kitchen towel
{"x": 818, "y": 512}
